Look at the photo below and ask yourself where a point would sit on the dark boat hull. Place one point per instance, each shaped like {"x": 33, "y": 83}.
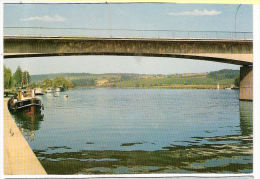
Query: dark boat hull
{"x": 30, "y": 106}
{"x": 39, "y": 94}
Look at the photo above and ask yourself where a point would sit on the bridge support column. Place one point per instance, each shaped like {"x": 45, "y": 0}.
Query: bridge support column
{"x": 246, "y": 83}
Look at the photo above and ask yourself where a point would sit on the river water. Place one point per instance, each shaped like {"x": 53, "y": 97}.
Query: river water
{"x": 117, "y": 131}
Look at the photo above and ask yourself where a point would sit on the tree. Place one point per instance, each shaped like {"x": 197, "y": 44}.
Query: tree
{"x": 33, "y": 85}
{"x": 70, "y": 84}
{"x": 27, "y": 77}
{"x": 47, "y": 83}
{"x": 237, "y": 82}
{"x": 17, "y": 77}
{"x": 7, "y": 78}
{"x": 62, "y": 82}
{"x": 59, "y": 82}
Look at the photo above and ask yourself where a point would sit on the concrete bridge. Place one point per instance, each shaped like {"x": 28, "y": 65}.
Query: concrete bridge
{"x": 239, "y": 52}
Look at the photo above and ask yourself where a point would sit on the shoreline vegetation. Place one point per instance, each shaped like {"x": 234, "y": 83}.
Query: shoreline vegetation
{"x": 221, "y": 79}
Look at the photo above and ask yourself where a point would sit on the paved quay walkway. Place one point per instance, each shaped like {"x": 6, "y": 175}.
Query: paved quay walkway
{"x": 19, "y": 158}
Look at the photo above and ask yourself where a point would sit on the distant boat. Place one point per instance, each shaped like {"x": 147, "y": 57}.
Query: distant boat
{"x": 38, "y": 91}
{"x": 66, "y": 96}
{"x": 230, "y": 88}
{"x": 59, "y": 89}
{"x": 50, "y": 90}
{"x": 218, "y": 87}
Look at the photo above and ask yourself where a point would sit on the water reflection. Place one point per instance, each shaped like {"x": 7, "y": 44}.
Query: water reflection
{"x": 28, "y": 123}
{"x": 246, "y": 117}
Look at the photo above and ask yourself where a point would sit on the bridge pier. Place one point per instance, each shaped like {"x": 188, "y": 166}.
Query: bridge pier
{"x": 246, "y": 83}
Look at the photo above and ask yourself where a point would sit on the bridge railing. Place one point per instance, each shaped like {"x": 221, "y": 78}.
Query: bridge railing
{"x": 126, "y": 33}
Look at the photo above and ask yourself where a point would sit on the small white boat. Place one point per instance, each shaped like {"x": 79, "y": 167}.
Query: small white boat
{"x": 66, "y": 96}
{"x": 58, "y": 89}
{"x": 50, "y": 90}
{"x": 38, "y": 91}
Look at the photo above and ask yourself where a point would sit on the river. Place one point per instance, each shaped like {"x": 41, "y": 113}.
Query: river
{"x": 118, "y": 131}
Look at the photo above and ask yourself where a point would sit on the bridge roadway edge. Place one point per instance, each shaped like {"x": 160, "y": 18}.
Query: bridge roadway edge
{"x": 19, "y": 158}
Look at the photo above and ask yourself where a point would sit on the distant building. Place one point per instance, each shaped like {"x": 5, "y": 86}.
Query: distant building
{"x": 101, "y": 82}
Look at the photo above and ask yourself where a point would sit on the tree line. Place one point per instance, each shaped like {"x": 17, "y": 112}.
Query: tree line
{"x": 53, "y": 83}
{"x": 18, "y": 79}
{"x": 23, "y": 79}
{"x": 224, "y": 77}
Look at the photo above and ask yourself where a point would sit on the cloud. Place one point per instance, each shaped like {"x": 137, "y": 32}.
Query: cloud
{"x": 196, "y": 12}
{"x": 55, "y": 18}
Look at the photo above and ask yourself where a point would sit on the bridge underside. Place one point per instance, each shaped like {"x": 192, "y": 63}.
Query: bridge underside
{"x": 229, "y": 51}
{"x": 205, "y": 57}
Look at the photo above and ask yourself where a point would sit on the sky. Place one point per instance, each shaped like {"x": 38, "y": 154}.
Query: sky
{"x": 144, "y": 16}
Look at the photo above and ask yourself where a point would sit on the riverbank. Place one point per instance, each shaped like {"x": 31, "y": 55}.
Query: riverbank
{"x": 19, "y": 158}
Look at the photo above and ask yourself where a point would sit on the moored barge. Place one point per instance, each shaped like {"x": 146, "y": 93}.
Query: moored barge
{"x": 25, "y": 101}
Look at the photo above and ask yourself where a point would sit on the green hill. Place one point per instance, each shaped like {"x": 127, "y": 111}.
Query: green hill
{"x": 224, "y": 77}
